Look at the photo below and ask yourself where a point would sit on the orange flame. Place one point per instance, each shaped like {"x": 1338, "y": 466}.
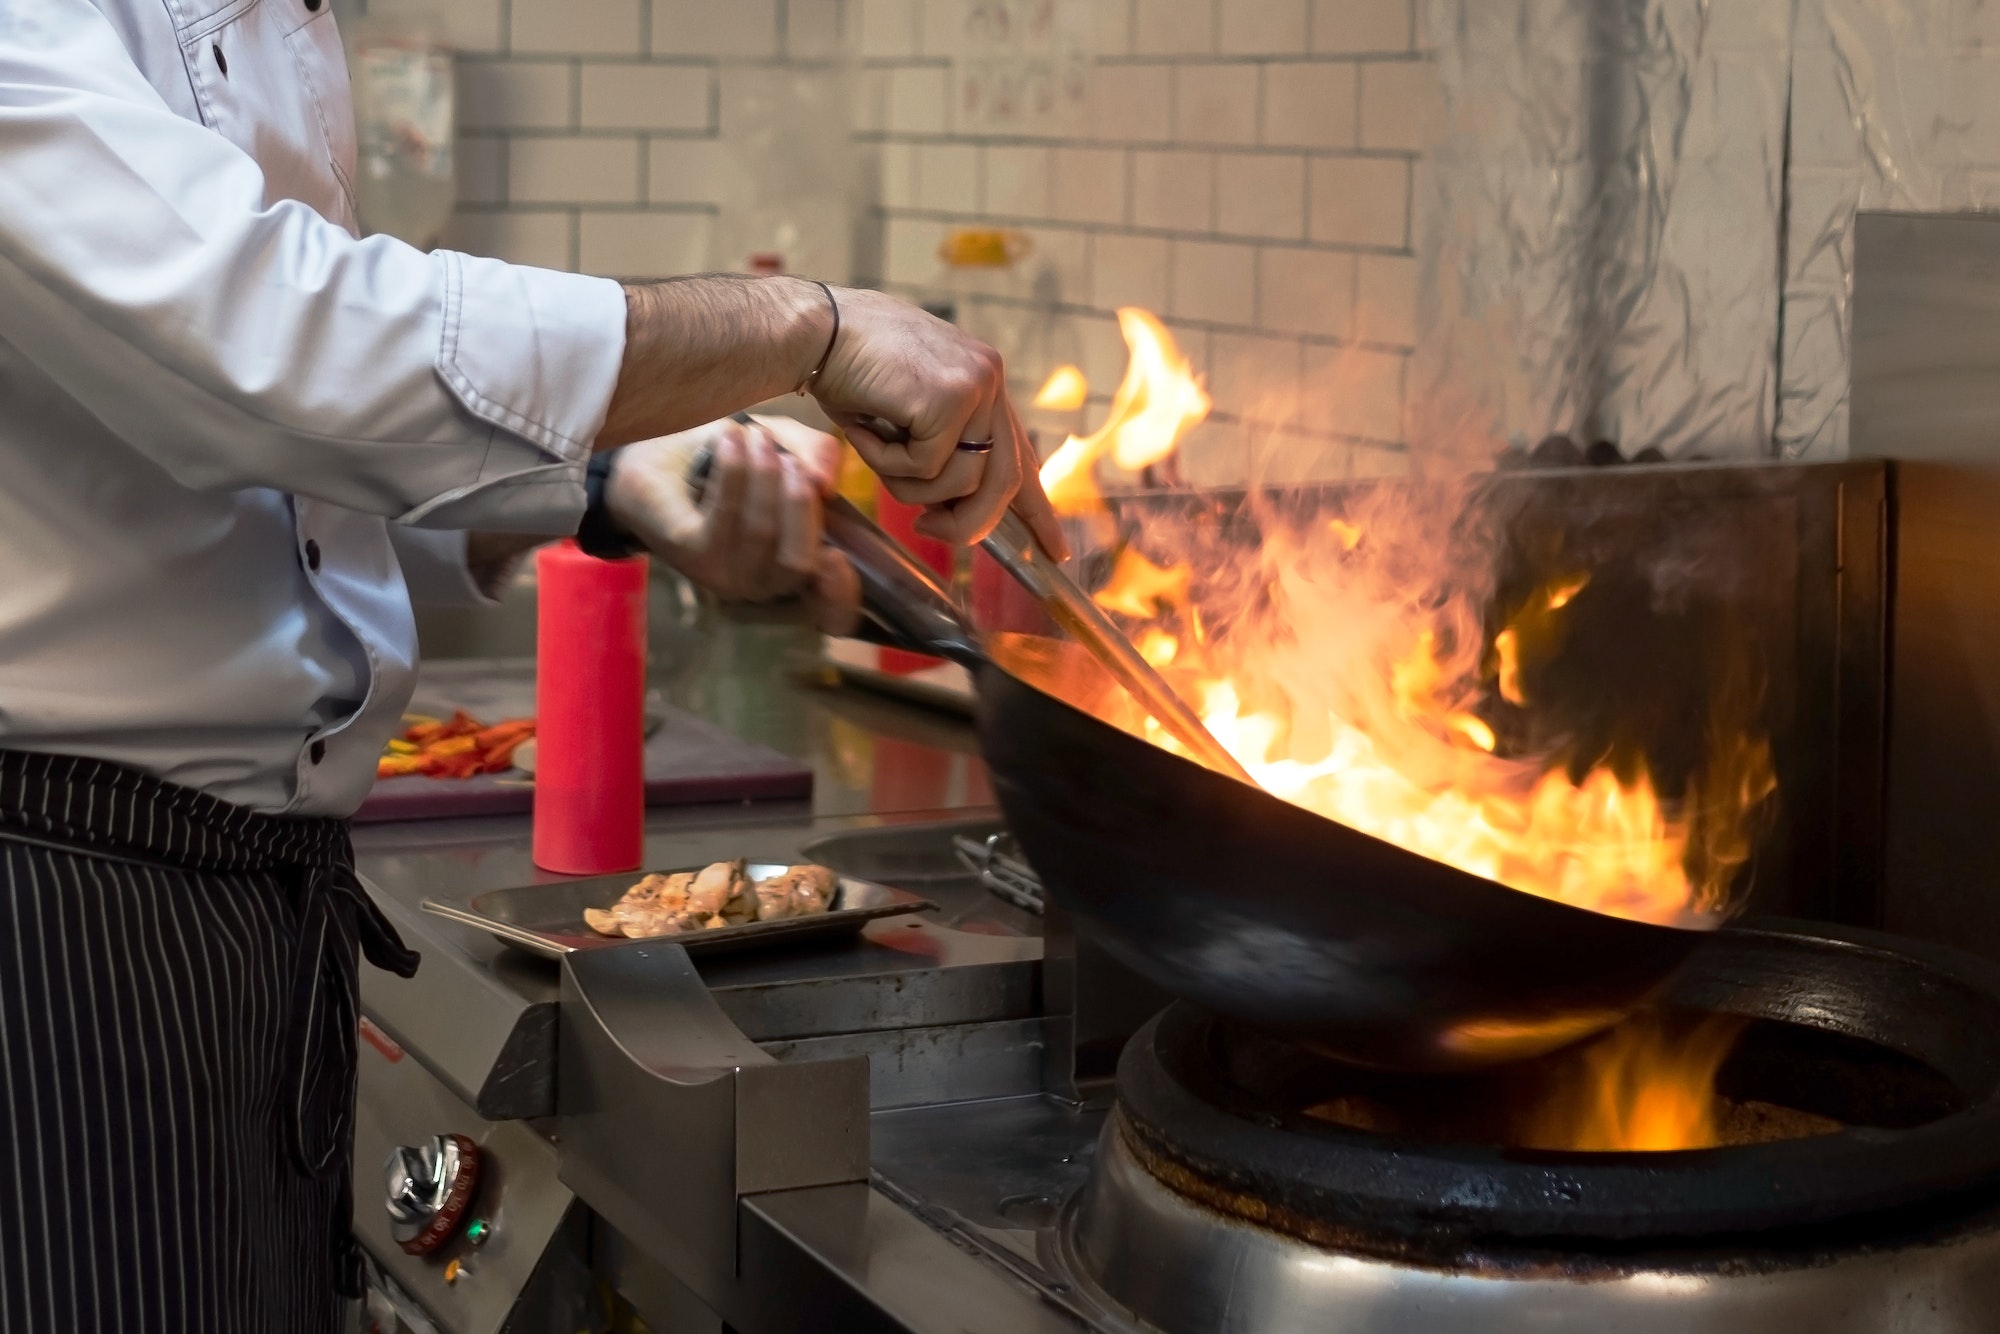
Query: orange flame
{"x": 1535, "y": 617}
{"x": 1141, "y": 589}
{"x": 1348, "y": 676}
{"x": 1599, "y": 845}
{"x": 1562, "y": 594}
{"x": 1385, "y": 741}
{"x": 1507, "y": 649}
{"x": 1159, "y": 648}
{"x": 1069, "y": 478}
{"x": 1065, "y": 390}
{"x": 1639, "y": 1087}
{"x": 1159, "y": 400}
{"x": 1345, "y": 533}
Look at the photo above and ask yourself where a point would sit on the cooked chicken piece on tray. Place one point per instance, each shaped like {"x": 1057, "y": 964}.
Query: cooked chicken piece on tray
{"x": 714, "y": 897}
{"x": 656, "y": 906}
{"x": 714, "y": 886}
{"x": 799, "y": 891}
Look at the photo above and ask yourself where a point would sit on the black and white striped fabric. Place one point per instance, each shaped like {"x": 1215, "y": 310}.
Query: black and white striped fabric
{"x": 177, "y": 1028}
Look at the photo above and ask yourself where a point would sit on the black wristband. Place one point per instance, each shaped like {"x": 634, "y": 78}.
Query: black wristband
{"x": 599, "y": 534}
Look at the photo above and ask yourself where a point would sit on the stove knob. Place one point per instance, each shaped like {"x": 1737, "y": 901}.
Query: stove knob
{"x": 430, "y": 1187}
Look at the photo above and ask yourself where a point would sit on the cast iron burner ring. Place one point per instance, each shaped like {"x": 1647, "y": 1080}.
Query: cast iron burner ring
{"x": 1901, "y": 1043}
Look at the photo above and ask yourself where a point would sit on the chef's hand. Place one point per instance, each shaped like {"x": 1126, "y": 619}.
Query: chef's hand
{"x": 753, "y": 534}
{"x": 897, "y": 364}
{"x": 701, "y": 346}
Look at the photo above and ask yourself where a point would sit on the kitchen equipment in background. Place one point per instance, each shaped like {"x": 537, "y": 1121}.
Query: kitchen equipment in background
{"x": 996, "y": 859}
{"x": 1242, "y": 1186}
{"x": 405, "y": 174}
{"x": 1926, "y": 393}
{"x": 1227, "y": 1180}
{"x": 590, "y": 691}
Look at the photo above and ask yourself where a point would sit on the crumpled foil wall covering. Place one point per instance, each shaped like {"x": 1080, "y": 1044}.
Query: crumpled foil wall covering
{"x": 1635, "y": 216}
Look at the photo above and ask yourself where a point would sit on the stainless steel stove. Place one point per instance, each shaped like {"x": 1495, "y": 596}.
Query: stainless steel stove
{"x": 1205, "y": 1202}
{"x": 919, "y": 1135}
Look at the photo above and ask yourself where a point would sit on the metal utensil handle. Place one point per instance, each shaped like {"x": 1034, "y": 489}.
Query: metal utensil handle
{"x": 1007, "y": 877}
{"x": 1021, "y": 555}
{"x": 898, "y": 591}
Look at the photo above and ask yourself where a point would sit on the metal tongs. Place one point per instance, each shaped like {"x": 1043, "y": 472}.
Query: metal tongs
{"x": 1020, "y": 553}
{"x": 904, "y": 596}
{"x": 997, "y": 861}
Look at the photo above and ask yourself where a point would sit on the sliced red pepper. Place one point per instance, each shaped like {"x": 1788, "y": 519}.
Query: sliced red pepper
{"x": 513, "y": 729}
{"x": 460, "y": 723}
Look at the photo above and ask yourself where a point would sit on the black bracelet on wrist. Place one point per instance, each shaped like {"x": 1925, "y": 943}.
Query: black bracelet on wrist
{"x": 599, "y": 534}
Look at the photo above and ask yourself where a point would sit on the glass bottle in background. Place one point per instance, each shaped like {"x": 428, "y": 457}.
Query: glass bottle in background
{"x": 405, "y": 176}
{"x": 1044, "y": 366}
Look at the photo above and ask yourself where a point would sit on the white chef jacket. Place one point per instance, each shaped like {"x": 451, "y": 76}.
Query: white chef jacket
{"x": 233, "y": 435}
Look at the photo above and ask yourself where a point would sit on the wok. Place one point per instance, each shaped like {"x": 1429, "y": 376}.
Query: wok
{"x": 1244, "y": 903}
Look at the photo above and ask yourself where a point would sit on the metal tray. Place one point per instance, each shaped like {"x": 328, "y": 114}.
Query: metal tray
{"x": 548, "y": 919}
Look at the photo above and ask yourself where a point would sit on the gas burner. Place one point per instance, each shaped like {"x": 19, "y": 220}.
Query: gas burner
{"x": 1245, "y": 1184}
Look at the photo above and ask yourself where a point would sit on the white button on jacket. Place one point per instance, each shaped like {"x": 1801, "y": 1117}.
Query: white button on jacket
{"x": 233, "y": 435}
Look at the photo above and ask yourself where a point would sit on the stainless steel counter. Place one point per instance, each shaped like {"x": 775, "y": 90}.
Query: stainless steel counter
{"x": 875, "y": 761}
{"x": 946, "y": 1008}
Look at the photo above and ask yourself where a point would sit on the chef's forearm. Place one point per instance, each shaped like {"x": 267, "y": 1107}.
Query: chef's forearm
{"x": 700, "y": 348}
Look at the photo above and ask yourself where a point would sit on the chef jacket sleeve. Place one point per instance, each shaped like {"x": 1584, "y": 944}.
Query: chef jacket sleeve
{"x": 239, "y": 342}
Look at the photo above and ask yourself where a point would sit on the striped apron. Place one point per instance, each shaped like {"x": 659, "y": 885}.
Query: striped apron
{"x": 177, "y": 1025}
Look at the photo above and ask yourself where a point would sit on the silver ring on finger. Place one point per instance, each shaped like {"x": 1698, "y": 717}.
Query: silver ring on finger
{"x": 975, "y": 446}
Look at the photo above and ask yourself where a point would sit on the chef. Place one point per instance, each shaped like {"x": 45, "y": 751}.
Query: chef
{"x": 236, "y": 440}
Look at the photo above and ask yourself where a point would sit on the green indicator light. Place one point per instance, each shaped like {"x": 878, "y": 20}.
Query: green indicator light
{"x": 478, "y": 1230}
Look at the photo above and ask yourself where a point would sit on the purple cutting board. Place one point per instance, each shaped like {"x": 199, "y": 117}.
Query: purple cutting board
{"x": 688, "y": 759}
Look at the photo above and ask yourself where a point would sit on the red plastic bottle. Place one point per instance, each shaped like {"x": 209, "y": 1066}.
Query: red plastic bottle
{"x": 900, "y": 522}
{"x": 590, "y": 725}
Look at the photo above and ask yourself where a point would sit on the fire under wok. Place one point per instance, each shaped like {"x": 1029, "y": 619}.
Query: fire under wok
{"x": 1256, "y": 908}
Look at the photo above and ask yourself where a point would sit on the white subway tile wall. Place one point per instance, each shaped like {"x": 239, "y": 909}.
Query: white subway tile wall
{"x": 1241, "y": 167}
